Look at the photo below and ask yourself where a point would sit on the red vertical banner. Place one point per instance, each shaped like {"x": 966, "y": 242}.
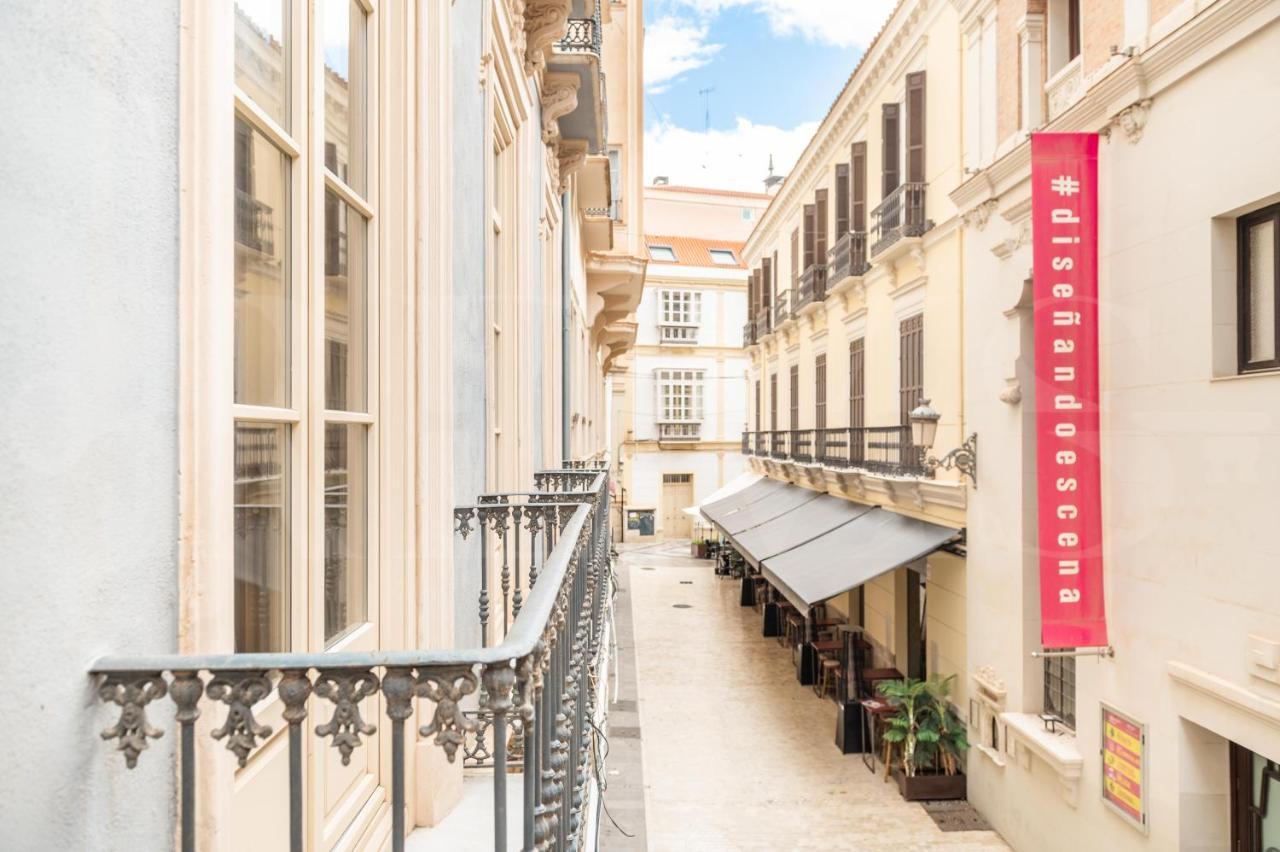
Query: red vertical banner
{"x": 1064, "y": 231}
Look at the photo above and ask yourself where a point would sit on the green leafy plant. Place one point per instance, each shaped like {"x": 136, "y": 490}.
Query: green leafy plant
{"x": 928, "y": 728}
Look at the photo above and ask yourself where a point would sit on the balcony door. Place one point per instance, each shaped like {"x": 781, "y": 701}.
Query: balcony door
{"x": 306, "y": 405}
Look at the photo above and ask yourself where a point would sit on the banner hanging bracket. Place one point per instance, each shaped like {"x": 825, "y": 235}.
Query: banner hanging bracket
{"x": 1105, "y": 651}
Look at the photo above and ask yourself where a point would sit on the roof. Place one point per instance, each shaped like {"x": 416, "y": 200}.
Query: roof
{"x": 692, "y": 251}
{"x": 699, "y": 190}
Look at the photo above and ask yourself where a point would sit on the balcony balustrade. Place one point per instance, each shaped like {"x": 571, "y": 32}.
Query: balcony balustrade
{"x": 782, "y": 310}
{"x": 680, "y": 430}
{"x": 255, "y": 223}
{"x": 764, "y": 321}
{"x": 534, "y": 707}
{"x": 901, "y": 214}
{"x": 749, "y": 335}
{"x": 582, "y": 35}
{"x": 678, "y": 334}
{"x": 847, "y": 258}
{"x": 885, "y": 450}
{"x": 813, "y": 285}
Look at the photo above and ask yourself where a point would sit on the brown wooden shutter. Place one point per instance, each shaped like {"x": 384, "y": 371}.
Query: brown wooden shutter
{"x": 795, "y": 257}
{"x": 820, "y": 392}
{"x": 858, "y": 180}
{"x": 820, "y": 227}
{"x": 810, "y": 217}
{"x": 915, "y": 127}
{"x": 890, "y": 176}
{"x": 773, "y": 402}
{"x": 857, "y": 383}
{"x": 795, "y": 396}
{"x": 757, "y": 405}
{"x": 752, "y": 305}
{"x": 766, "y": 282}
{"x": 910, "y": 366}
{"x": 842, "y": 199}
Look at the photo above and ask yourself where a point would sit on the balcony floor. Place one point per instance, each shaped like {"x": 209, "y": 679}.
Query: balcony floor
{"x": 738, "y": 755}
{"x": 469, "y": 826}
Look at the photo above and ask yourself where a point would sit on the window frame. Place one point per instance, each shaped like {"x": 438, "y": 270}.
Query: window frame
{"x": 653, "y": 249}
{"x": 680, "y": 307}
{"x": 1244, "y": 225}
{"x": 733, "y": 257}
{"x": 1059, "y": 700}
{"x": 680, "y": 392}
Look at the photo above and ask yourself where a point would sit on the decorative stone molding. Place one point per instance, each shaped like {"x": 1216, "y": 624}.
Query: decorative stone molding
{"x": 1006, "y": 247}
{"x": 571, "y": 155}
{"x": 978, "y": 216}
{"x": 1058, "y": 750}
{"x": 1132, "y": 119}
{"x": 559, "y": 98}
{"x": 545, "y": 22}
{"x": 1012, "y": 394}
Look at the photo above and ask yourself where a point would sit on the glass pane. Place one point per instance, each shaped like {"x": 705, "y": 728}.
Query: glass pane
{"x": 346, "y": 498}
{"x": 261, "y": 270}
{"x": 262, "y": 537}
{"x": 262, "y": 56}
{"x": 1267, "y": 788}
{"x": 345, "y": 306}
{"x": 345, "y": 95}
{"x": 1262, "y": 292}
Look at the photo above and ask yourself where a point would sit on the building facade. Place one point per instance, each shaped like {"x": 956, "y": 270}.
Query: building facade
{"x": 347, "y": 265}
{"x": 682, "y": 404}
{"x": 1186, "y": 276}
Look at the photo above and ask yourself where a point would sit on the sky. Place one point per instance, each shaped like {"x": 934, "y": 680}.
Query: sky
{"x": 773, "y": 67}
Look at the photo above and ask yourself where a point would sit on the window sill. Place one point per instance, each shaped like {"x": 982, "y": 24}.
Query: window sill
{"x": 1252, "y": 374}
{"x": 1057, "y": 750}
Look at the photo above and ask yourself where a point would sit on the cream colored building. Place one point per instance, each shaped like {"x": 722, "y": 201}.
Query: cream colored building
{"x": 332, "y": 269}
{"x": 680, "y": 408}
{"x": 1184, "y": 94}
{"x": 856, "y": 294}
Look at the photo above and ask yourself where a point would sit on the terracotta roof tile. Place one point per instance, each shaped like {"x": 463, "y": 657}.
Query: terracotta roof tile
{"x": 691, "y": 251}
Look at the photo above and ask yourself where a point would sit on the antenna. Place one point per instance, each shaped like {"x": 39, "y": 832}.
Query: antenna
{"x": 706, "y": 103}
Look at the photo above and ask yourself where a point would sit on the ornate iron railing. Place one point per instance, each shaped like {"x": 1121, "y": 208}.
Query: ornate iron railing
{"x": 782, "y": 310}
{"x": 255, "y": 223}
{"x": 749, "y": 333}
{"x": 582, "y": 35}
{"x": 533, "y": 688}
{"x": 901, "y": 214}
{"x": 877, "y": 449}
{"x": 764, "y": 321}
{"x": 848, "y": 257}
{"x": 813, "y": 285}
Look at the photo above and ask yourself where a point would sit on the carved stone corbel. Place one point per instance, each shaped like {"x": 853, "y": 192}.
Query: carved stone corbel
{"x": 559, "y": 98}
{"x": 572, "y": 155}
{"x": 978, "y": 216}
{"x": 1132, "y": 119}
{"x": 545, "y": 21}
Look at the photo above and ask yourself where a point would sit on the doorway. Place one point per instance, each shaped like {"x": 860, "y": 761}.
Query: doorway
{"x": 677, "y": 495}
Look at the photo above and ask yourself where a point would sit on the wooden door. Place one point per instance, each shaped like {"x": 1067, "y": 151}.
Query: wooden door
{"x": 677, "y": 495}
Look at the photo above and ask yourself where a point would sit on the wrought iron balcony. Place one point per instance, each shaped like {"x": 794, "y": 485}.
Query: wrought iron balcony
{"x": 749, "y": 336}
{"x": 534, "y": 706}
{"x": 813, "y": 285}
{"x": 255, "y": 223}
{"x": 884, "y": 450}
{"x": 847, "y": 258}
{"x": 764, "y": 321}
{"x": 901, "y": 214}
{"x": 582, "y": 35}
{"x": 782, "y": 310}
{"x": 680, "y": 430}
{"x": 678, "y": 333}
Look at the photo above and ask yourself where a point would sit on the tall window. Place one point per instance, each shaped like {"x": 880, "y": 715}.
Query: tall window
{"x": 1258, "y": 295}
{"x": 615, "y": 183}
{"x": 857, "y": 383}
{"x": 820, "y": 392}
{"x": 773, "y": 402}
{"x": 278, "y": 315}
{"x": 1064, "y": 33}
{"x": 1255, "y": 801}
{"x": 680, "y": 395}
{"x": 910, "y": 366}
{"x": 842, "y": 200}
{"x": 757, "y": 405}
{"x": 1060, "y": 689}
{"x": 795, "y": 396}
{"x": 681, "y": 307}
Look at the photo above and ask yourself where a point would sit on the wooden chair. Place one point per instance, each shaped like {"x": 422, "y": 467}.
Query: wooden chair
{"x": 829, "y": 677}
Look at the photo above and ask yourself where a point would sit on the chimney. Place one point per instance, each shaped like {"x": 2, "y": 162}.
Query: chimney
{"x": 773, "y": 181}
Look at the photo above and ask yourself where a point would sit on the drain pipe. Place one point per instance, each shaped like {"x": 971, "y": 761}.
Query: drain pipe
{"x": 564, "y": 327}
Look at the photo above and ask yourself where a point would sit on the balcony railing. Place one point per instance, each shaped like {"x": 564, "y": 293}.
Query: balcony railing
{"x": 679, "y": 430}
{"x": 900, "y": 215}
{"x": 678, "y": 334}
{"x": 582, "y": 35}
{"x": 535, "y": 707}
{"x": 255, "y": 223}
{"x": 749, "y": 334}
{"x": 848, "y": 257}
{"x": 764, "y": 321}
{"x": 878, "y": 449}
{"x": 782, "y": 310}
{"x": 813, "y": 285}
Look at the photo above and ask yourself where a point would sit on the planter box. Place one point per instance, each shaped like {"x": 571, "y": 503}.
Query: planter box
{"x": 926, "y": 787}
{"x": 699, "y": 550}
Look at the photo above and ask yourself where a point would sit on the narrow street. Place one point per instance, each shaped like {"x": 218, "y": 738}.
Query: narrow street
{"x": 736, "y": 754}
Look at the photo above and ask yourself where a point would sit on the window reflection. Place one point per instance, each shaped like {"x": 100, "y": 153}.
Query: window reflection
{"x": 345, "y": 65}
{"x": 345, "y": 306}
{"x": 346, "y": 497}
{"x": 261, "y": 537}
{"x": 262, "y": 56}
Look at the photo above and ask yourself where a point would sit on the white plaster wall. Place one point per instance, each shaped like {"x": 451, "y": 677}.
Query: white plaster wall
{"x": 88, "y": 443}
{"x": 710, "y": 469}
{"x": 1189, "y": 472}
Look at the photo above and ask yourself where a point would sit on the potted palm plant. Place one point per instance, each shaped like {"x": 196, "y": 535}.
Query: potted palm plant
{"x": 930, "y": 735}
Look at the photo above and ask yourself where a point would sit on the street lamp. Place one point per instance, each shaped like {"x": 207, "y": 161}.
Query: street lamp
{"x": 924, "y": 429}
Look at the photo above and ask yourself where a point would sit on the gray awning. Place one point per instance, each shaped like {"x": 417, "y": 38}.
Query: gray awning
{"x": 766, "y": 509}
{"x": 796, "y": 527}
{"x": 851, "y": 554}
{"x": 720, "y": 509}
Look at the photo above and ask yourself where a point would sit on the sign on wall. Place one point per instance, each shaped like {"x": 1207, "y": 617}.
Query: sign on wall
{"x": 1124, "y": 766}
{"x": 1064, "y": 228}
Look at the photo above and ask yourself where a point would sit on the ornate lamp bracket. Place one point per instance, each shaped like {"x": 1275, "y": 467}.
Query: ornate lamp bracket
{"x": 963, "y": 458}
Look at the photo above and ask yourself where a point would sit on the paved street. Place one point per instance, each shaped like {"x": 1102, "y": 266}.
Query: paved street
{"x": 736, "y": 754}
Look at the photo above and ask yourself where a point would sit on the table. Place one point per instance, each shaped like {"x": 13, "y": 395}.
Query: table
{"x": 873, "y": 710}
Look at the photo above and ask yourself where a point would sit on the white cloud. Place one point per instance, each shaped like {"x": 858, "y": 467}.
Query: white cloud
{"x": 672, "y": 47}
{"x": 843, "y": 23}
{"x": 737, "y": 158}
